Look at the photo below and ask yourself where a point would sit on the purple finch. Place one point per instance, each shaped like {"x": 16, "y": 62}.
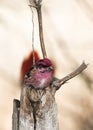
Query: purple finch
{"x": 40, "y": 75}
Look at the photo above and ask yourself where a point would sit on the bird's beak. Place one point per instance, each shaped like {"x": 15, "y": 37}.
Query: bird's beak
{"x": 50, "y": 68}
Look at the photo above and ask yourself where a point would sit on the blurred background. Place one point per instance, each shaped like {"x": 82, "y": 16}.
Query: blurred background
{"x": 68, "y": 34}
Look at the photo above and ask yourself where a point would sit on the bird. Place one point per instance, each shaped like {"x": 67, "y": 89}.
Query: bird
{"x": 40, "y": 75}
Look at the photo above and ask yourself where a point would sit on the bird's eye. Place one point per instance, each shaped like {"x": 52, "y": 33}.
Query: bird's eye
{"x": 40, "y": 66}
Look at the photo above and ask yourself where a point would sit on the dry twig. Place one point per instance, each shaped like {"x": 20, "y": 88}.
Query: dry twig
{"x": 37, "y": 5}
{"x": 58, "y": 82}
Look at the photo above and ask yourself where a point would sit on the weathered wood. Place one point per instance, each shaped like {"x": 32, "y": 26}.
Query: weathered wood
{"x": 38, "y": 110}
{"x": 15, "y": 116}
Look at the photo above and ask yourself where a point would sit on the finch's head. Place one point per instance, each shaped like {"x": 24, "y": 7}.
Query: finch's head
{"x": 40, "y": 75}
{"x": 44, "y": 65}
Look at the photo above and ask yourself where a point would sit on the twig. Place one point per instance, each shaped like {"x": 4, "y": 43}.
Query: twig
{"x": 33, "y": 36}
{"x": 37, "y": 5}
{"x": 58, "y": 82}
{"x": 41, "y": 31}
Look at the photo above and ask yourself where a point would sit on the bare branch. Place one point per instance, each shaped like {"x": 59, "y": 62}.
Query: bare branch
{"x": 74, "y": 73}
{"x": 58, "y": 82}
{"x": 41, "y": 31}
{"x": 37, "y": 5}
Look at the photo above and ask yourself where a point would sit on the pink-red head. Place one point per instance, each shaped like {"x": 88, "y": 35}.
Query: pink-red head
{"x": 44, "y": 62}
{"x": 44, "y": 65}
{"x": 41, "y": 75}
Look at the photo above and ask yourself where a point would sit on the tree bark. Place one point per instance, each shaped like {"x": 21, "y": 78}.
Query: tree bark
{"x": 38, "y": 110}
{"x": 15, "y": 116}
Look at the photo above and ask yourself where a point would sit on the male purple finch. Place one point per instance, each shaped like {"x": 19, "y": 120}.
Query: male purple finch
{"x": 40, "y": 75}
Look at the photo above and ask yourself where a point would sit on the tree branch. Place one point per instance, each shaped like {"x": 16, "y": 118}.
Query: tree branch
{"x": 58, "y": 82}
{"x": 37, "y": 4}
{"x": 39, "y": 12}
